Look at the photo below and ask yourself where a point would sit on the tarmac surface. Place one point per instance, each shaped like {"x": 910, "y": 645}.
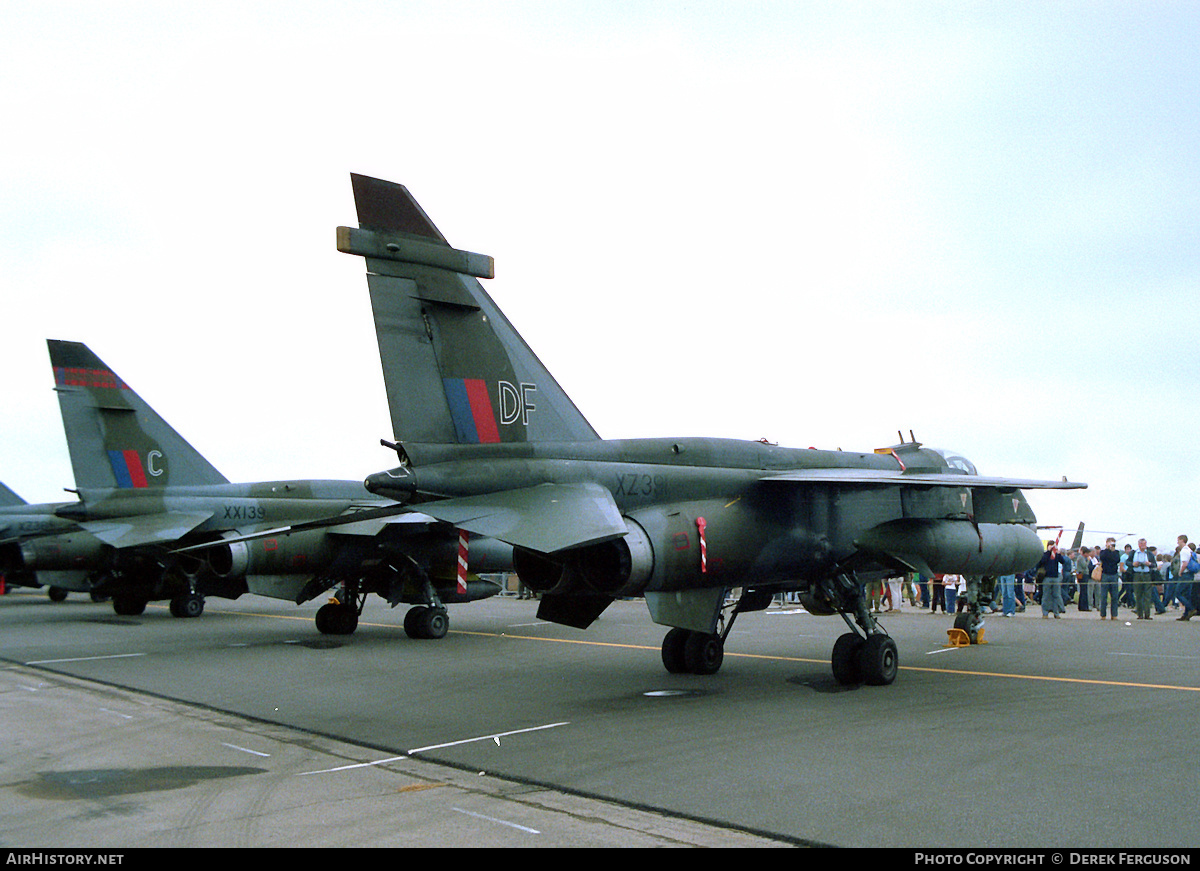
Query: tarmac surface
{"x": 247, "y": 728}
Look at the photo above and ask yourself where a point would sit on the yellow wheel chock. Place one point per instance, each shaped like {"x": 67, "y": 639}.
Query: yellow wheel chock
{"x": 960, "y": 638}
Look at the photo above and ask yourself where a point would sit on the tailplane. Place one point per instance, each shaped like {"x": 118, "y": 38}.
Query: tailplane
{"x": 9, "y": 499}
{"x": 116, "y": 440}
{"x": 455, "y": 370}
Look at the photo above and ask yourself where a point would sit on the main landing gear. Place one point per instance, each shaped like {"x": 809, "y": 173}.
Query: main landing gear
{"x": 865, "y": 654}
{"x": 691, "y": 652}
{"x": 872, "y": 660}
{"x": 340, "y": 615}
{"x": 686, "y": 651}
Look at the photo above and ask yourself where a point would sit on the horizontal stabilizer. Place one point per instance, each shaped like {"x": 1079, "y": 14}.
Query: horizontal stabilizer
{"x": 893, "y": 478}
{"x": 364, "y": 522}
{"x": 9, "y": 498}
{"x": 383, "y": 246}
{"x": 545, "y": 518}
{"x": 145, "y": 529}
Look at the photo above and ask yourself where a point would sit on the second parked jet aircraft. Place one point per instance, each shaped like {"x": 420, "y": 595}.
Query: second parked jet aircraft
{"x": 145, "y": 492}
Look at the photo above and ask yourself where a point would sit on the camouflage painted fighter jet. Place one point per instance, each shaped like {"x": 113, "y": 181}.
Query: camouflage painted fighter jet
{"x": 145, "y": 493}
{"x": 489, "y": 441}
{"x": 20, "y": 522}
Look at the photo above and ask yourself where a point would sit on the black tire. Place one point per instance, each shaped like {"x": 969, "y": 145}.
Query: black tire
{"x": 963, "y": 622}
{"x": 57, "y": 594}
{"x": 703, "y": 653}
{"x": 128, "y": 606}
{"x": 345, "y": 620}
{"x": 325, "y": 618}
{"x": 879, "y": 660}
{"x": 435, "y": 623}
{"x": 334, "y": 618}
{"x": 414, "y": 622}
{"x": 672, "y": 651}
{"x": 187, "y": 605}
{"x": 846, "y": 659}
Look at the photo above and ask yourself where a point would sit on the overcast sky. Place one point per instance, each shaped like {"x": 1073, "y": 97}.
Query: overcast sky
{"x": 818, "y": 223}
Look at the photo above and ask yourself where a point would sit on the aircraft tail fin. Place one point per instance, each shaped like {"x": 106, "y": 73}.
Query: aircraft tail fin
{"x": 455, "y": 370}
{"x": 9, "y": 499}
{"x": 115, "y": 439}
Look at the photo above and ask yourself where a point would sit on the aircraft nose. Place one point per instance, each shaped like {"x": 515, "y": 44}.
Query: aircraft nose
{"x": 398, "y": 483}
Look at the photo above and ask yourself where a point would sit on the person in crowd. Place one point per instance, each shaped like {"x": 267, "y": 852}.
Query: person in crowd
{"x": 875, "y": 595}
{"x": 1056, "y": 566}
{"x": 952, "y": 584}
{"x": 1187, "y": 578}
{"x": 1110, "y": 568}
{"x": 1127, "y": 578}
{"x": 1008, "y": 597}
{"x": 1083, "y": 575}
{"x": 938, "y": 596}
{"x": 1140, "y": 566}
{"x": 1177, "y": 596}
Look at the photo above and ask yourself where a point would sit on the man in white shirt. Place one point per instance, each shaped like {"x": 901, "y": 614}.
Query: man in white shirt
{"x": 1186, "y": 577}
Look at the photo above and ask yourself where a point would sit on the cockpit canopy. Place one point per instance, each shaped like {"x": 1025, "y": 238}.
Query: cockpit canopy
{"x": 956, "y": 461}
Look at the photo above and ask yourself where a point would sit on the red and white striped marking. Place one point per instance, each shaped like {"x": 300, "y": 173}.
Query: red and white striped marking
{"x": 462, "y": 561}
{"x": 703, "y": 546}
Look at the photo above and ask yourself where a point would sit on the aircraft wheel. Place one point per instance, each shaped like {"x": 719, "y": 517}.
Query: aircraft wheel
{"x": 326, "y": 618}
{"x": 96, "y": 597}
{"x": 339, "y": 619}
{"x": 187, "y": 605}
{"x": 435, "y": 623}
{"x": 703, "y": 653}
{"x": 57, "y": 594}
{"x": 413, "y": 621}
{"x": 963, "y": 622}
{"x": 672, "y": 650}
{"x": 128, "y": 606}
{"x": 879, "y": 660}
{"x": 846, "y": 659}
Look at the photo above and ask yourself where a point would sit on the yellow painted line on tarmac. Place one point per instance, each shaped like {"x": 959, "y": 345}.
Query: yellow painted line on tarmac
{"x": 1075, "y": 680}
{"x": 776, "y": 658}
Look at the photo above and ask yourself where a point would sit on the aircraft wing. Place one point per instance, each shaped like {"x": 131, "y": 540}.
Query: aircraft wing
{"x": 545, "y": 518}
{"x": 145, "y": 529}
{"x": 893, "y": 478}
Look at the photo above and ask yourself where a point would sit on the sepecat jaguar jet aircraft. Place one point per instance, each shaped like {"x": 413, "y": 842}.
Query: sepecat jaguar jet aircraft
{"x": 145, "y": 493}
{"x": 489, "y": 442}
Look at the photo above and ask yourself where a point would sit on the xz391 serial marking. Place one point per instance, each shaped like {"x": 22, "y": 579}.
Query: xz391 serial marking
{"x": 638, "y": 485}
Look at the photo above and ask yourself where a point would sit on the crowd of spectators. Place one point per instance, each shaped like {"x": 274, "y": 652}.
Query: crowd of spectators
{"x": 1145, "y": 580}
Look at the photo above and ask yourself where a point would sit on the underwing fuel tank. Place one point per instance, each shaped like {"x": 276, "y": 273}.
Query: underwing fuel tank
{"x": 955, "y": 546}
